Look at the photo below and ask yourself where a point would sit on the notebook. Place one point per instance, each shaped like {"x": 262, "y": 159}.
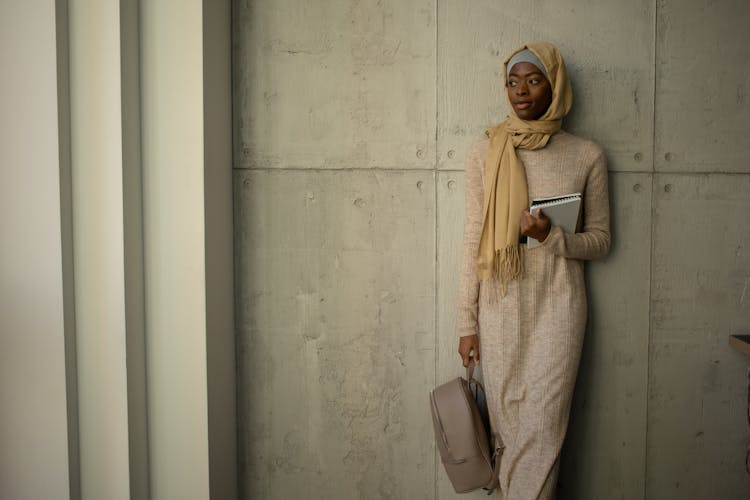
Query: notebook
{"x": 563, "y": 211}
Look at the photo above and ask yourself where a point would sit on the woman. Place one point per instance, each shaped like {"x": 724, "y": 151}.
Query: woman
{"x": 525, "y": 309}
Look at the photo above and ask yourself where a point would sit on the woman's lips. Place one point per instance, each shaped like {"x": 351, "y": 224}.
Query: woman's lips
{"x": 523, "y": 105}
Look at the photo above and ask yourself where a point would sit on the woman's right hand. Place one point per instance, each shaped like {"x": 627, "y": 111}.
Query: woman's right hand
{"x": 468, "y": 345}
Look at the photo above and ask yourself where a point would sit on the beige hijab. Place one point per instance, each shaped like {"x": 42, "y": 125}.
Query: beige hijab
{"x": 505, "y": 189}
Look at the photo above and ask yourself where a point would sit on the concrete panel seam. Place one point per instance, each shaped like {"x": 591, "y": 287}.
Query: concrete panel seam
{"x": 447, "y": 170}
{"x": 436, "y": 268}
{"x": 347, "y": 169}
{"x": 651, "y": 253}
{"x": 703, "y": 173}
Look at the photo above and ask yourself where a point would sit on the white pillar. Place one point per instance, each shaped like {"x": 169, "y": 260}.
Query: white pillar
{"x": 174, "y": 250}
{"x": 98, "y": 242}
{"x": 34, "y": 461}
{"x": 186, "y": 148}
{"x": 116, "y": 251}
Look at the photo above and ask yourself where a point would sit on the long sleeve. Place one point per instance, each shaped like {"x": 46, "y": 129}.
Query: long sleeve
{"x": 468, "y": 293}
{"x": 593, "y": 241}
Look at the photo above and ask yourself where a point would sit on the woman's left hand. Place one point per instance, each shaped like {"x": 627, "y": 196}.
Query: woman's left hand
{"x": 535, "y": 227}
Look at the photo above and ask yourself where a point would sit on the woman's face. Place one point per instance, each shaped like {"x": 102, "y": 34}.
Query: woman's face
{"x": 529, "y": 91}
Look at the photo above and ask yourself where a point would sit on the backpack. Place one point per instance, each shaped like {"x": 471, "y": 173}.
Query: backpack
{"x": 469, "y": 451}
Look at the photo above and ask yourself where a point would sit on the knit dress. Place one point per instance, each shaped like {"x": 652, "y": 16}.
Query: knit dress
{"x": 531, "y": 339}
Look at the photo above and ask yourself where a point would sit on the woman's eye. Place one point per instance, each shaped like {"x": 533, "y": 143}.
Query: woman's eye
{"x": 534, "y": 81}
{"x": 512, "y": 84}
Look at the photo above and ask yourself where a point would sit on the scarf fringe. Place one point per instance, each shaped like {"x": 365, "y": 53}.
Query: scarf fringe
{"x": 508, "y": 266}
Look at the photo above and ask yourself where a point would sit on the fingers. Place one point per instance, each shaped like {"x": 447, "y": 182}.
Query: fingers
{"x": 536, "y": 226}
{"x": 543, "y": 219}
{"x": 466, "y": 358}
{"x": 468, "y": 348}
{"x": 527, "y": 221}
{"x": 543, "y": 225}
{"x": 538, "y": 219}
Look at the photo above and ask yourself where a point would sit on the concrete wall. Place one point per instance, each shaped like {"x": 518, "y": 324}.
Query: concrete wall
{"x": 352, "y": 120}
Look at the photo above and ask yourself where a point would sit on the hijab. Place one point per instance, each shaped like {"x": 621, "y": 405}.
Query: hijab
{"x": 505, "y": 189}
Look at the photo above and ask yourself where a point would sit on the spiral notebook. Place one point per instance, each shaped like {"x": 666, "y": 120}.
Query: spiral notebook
{"x": 563, "y": 211}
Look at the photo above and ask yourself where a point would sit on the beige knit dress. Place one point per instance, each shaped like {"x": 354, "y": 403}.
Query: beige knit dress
{"x": 531, "y": 339}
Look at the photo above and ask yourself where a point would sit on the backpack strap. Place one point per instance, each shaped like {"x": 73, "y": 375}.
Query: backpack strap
{"x": 497, "y": 454}
{"x": 496, "y": 441}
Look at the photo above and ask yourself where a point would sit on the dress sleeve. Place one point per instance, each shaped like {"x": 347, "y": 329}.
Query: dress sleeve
{"x": 468, "y": 293}
{"x": 593, "y": 241}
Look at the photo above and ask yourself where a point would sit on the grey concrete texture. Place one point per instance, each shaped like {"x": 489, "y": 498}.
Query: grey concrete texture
{"x": 352, "y": 122}
{"x": 336, "y": 333}
{"x": 702, "y": 86}
{"x": 609, "y": 51}
{"x": 697, "y": 414}
{"x": 335, "y": 84}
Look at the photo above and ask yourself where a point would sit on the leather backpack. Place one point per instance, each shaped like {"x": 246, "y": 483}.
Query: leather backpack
{"x": 470, "y": 452}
